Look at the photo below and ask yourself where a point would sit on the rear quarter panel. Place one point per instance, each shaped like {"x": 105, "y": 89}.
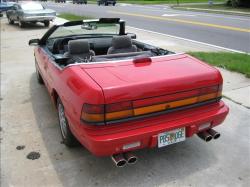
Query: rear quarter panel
{"x": 72, "y": 85}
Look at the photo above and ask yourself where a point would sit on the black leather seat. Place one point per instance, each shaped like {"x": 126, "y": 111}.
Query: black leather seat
{"x": 121, "y": 44}
{"x": 79, "y": 49}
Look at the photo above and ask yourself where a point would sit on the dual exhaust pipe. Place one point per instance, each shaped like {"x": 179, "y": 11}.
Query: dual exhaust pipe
{"x": 121, "y": 160}
{"x": 208, "y": 135}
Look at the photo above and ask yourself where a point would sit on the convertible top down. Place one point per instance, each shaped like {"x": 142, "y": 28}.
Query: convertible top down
{"x": 115, "y": 94}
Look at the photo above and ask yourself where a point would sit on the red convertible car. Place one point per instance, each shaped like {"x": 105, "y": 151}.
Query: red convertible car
{"x": 116, "y": 95}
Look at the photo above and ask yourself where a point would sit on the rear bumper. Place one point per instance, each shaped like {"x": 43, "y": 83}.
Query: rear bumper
{"x": 103, "y": 143}
{"x": 38, "y": 18}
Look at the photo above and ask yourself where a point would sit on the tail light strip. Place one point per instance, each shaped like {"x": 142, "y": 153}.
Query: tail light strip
{"x": 117, "y": 111}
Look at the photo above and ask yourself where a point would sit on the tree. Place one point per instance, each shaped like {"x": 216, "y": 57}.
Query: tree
{"x": 237, "y": 3}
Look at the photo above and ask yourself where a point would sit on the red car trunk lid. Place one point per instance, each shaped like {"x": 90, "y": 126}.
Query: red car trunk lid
{"x": 125, "y": 80}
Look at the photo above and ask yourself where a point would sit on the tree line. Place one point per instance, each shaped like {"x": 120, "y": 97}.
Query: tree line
{"x": 239, "y": 3}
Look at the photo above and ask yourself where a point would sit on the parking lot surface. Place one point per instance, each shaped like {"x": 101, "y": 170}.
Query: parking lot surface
{"x": 29, "y": 124}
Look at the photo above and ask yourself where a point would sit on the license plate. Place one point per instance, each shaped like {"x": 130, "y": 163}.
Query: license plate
{"x": 171, "y": 137}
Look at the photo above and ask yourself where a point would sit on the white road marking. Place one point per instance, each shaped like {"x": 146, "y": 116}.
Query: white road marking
{"x": 173, "y": 15}
{"x": 212, "y": 15}
{"x": 124, "y": 4}
{"x": 189, "y": 40}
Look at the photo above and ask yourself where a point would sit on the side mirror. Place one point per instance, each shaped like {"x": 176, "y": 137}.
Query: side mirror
{"x": 34, "y": 42}
{"x": 132, "y": 35}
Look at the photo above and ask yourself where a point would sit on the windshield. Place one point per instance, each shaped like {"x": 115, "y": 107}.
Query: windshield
{"x": 87, "y": 29}
{"x": 32, "y": 6}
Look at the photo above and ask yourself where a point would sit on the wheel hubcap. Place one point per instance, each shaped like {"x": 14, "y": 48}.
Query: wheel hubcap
{"x": 62, "y": 120}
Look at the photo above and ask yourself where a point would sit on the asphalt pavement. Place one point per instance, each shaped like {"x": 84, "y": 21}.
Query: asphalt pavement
{"x": 227, "y": 31}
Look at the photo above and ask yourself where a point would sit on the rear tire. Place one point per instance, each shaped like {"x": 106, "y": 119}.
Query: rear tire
{"x": 67, "y": 136}
{"x": 46, "y": 23}
{"x": 21, "y": 24}
{"x": 11, "y": 22}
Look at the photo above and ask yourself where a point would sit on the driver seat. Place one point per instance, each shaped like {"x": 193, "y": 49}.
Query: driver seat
{"x": 79, "y": 49}
{"x": 121, "y": 44}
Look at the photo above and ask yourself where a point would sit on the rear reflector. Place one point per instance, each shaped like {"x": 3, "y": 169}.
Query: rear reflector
{"x": 164, "y": 106}
{"x": 118, "y": 115}
{"x": 131, "y": 145}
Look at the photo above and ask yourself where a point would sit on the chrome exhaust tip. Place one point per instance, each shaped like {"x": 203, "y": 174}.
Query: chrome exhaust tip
{"x": 119, "y": 160}
{"x": 214, "y": 133}
{"x": 205, "y": 136}
{"x": 130, "y": 158}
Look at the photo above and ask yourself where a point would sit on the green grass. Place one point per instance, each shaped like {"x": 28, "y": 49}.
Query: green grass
{"x": 232, "y": 61}
{"x": 73, "y": 17}
{"x": 216, "y": 7}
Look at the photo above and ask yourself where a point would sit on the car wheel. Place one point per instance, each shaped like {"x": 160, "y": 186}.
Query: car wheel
{"x": 46, "y": 23}
{"x": 38, "y": 75}
{"x": 67, "y": 136}
{"x": 10, "y": 21}
{"x": 21, "y": 24}
{"x": 99, "y": 3}
{"x": 113, "y": 4}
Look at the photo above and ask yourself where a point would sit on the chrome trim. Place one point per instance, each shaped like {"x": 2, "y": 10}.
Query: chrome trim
{"x": 37, "y": 18}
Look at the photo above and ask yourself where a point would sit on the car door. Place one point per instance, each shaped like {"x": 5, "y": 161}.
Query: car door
{"x": 13, "y": 12}
{"x": 42, "y": 62}
{"x": 18, "y": 12}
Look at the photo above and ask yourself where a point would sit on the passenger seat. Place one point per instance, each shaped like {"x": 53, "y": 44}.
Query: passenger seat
{"x": 121, "y": 44}
{"x": 79, "y": 49}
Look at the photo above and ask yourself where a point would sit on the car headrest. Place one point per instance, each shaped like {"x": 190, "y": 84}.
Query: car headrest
{"x": 120, "y": 42}
{"x": 78, "y": 46}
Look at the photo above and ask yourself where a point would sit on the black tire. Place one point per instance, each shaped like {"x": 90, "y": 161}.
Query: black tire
{"x": 46, "y": 23}
{"x": 38, "y": 75}
{"x": 10, "y": 21}
{"x": 67, "y": 136}
{"x": 113, "y": 4}
{"x": 21, "y": 24}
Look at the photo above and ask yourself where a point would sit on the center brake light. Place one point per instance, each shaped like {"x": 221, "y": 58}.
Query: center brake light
{"x": 122, "y": 110}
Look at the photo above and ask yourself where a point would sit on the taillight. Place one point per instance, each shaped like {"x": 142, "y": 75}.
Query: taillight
{"x": 122, "y": 110}
{"x": 92, "y": 113}
{"x": 208, "y": 93}
{"x": 101, "y": 113}
{"x": 118, "y": 110}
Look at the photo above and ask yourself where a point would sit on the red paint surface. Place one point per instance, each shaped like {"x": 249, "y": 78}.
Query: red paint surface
{"x": 125, "y": 81}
